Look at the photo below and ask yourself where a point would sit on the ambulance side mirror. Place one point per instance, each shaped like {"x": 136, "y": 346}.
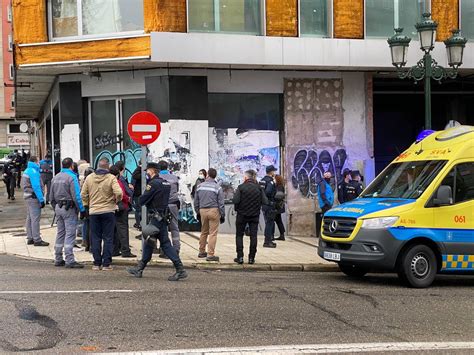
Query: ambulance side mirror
{"x": 444, "y": 196}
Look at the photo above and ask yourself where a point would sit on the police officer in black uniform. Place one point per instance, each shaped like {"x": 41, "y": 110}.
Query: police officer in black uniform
{"x": 354, "y": 188}
{"x": 342, "y": 187}
{"x": 269, "y": 210}
{"x": 9, "y": 179}
{"x": 156, "y": 198}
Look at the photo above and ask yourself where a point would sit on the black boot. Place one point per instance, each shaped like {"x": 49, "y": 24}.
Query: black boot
{"x": 179, "y": 274}
{"x": 137, "y": 271}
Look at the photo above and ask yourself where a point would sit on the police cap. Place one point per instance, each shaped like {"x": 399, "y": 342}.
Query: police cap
{"x": 152, "y": 165}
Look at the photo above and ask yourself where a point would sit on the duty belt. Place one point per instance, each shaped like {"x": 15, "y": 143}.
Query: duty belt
{"x": 67, "y": 204}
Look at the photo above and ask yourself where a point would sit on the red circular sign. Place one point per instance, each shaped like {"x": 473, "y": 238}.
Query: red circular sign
{"x": 144, "y": 127}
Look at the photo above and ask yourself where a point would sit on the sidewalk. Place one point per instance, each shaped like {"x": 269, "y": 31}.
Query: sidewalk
{"x": 294, "y": 254}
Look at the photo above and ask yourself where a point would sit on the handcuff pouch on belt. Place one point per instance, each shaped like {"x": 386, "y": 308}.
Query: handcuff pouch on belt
{"x": 66, "y": 204}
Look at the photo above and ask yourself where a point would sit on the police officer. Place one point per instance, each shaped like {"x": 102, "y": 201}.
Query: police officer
{"x": 342, "y": 187}
{"x": 156, "y": 199}
{"x": 67, "y": 202}
{"x": 173, "y": 205}
{"x": 18, "y": 165}
{"x": 9, "y": 179}
{"x": 354, "y": 188}
{"x": 46, "y": 172}
{"x": 34, "y": 198}
{"x": 269, "y": 211}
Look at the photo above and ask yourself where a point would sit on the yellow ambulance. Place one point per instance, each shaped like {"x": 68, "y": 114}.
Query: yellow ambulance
{"x": 416, "y": 218}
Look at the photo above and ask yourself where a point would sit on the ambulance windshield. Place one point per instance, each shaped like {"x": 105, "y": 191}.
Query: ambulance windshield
{"x": 404, "y": 180}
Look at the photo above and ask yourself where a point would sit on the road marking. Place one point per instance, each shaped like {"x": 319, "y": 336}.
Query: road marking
{"x": 65, "y": 291}
{"x": 144, "y": 128}
{"x": 321, "y": 348}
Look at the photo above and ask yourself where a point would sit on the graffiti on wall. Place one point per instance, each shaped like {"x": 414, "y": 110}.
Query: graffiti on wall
{"x": 131, "y": 157}
{"x": 233, "y": 151}
{"x": 309, "y": 165}
{"x": 105, "y": 139}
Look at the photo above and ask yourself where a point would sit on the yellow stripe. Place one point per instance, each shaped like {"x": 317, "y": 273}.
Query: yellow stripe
{"x": 464, "y": 265}
{"x": 450, "y": 257}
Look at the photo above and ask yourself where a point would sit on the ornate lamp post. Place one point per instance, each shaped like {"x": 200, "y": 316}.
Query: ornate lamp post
{"x": 426, "y": 68}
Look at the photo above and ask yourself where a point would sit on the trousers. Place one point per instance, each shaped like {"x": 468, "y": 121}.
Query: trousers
{"x": 33, "y": 217}
{"x": 102, "y": 228}
{"x": 121, "y": 238}
{"x": 165, "y": 246}
{"x": 210, "y": 225}
{"x": 137, "y": 210}
{"x": 280, "y": 225}
{"x": 46, "y": 178}
{"x": 66, "y": 234}
{"x": 269, "y": 217}
{"x": 240, "y": 223}
{"x": 10, "y": 185}
{"x": 174, "y": 227}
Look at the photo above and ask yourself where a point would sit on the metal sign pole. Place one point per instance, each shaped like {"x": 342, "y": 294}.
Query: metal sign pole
{"x": 143, "y": 160}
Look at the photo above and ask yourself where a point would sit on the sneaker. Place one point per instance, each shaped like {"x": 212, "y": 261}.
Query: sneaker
{"x": 96, "y": 268}
{"x": 239, "y": 261}
{"x": 129, "y": 255}
{"x": 12, "y": 198}
{"x": 30, "y": 242}
{"x": 41, "y": 244}
{"x": 272, "y": 245}
{"x": 202, "y": 255}
{"x": 135, "y": 271}
{"x": 74, "y": 265}
{"x": 107, "y": 268}
{"x": 59, "y": 263}
{"x": 282, "y": 238}
{"x": 251, "y": 261}
{"x": 212, "y": 258}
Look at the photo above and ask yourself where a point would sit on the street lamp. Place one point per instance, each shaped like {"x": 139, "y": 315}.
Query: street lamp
{"x": 427, "y": 67}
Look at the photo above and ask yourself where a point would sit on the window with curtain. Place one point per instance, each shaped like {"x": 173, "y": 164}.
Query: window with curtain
{"x": 73, "y": 18}
{"x": 467, "y": 18}
{"x": 382, "y": 16}
{"x": 314, "y": 18}
{"x": 227, "y": 16}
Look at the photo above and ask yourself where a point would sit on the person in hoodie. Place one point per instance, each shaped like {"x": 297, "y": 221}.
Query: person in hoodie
{"x": 46, "y": 173}
{"x": 325, "y": 193}
{"x": 33, "y": 194}
{"x": 173, "y": 205}
{"x": 67, "y": 203}
{"x": 101, "y": 193}
{"x": 121, "y": 238}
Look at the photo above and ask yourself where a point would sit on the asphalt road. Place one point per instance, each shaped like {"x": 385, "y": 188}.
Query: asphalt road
{"x": 220, "y": 309}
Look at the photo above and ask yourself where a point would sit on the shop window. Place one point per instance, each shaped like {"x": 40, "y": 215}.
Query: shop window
{"x": 11, "y": 71}
{"x": 94, "y": 18}
{"x": 225, "y": 16}
{"x": 14, "y": 128}
{"x": 467, "y": 13}
{"x": 382, "y": 16}
{"x": 314, "y": 15}
{"x": 461, "y": 181}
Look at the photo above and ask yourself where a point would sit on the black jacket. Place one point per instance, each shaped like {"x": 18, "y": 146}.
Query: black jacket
{"x": 249, "y": 198}
{"x": 156, "y": 195}
{"x": 137, "y": 181}
{"x": 353, "y": 190}
{"x": 269, "y": 187}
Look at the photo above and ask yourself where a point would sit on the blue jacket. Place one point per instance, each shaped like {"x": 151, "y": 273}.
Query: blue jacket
{"x": 325, "y": 194}
{"x": 31, "y": 182}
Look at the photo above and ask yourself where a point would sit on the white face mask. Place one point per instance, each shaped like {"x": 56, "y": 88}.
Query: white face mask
{"x": 201, "y": 176}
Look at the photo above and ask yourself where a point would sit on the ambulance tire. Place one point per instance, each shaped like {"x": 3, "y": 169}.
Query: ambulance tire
{"x": 418, "y": 266}
{"x": 353, "y": 270}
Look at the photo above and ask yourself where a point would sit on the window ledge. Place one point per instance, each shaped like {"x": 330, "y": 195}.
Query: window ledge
{"x": 78, "y": 40}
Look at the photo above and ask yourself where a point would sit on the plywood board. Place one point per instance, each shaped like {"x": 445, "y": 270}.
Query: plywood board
{"x": 282, "y": 18}
{"x": 29, "y": 17}
{"x": 165, "y": 15}
{"x": 446, "y": 13}
{"x": 349, "y": 19}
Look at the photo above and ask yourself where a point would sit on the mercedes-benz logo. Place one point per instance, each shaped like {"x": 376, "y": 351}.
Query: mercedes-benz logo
{"x": 333, "y": 226}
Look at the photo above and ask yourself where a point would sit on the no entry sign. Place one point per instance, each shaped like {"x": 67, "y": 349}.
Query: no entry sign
{"x": 144, "y": 127}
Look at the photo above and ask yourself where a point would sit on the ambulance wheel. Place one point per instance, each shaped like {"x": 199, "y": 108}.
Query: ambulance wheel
{"x": 418, "y": 266}
{"x": 353, "y": 270}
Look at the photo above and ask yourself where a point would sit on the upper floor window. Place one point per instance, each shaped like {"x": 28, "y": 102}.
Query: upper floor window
{"x": 467, "y": 23}
{"x": 314, "y": 18}
{"x": 92, "y": 18}
{"x": 228, "y": 16}
{"x": 382, "y": 16}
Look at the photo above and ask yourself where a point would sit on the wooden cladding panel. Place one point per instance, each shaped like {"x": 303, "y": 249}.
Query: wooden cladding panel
{"x": 90, "y": 50}
{"x": 446, "y": 13}
{"x": 29, "y": 19}
{"x": 349, "y": 19}
{"x": 282, "y": 18}
{"x": 165, "y": 15}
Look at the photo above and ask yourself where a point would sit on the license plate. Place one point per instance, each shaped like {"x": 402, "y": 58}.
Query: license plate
{"x": 332, "y": 256}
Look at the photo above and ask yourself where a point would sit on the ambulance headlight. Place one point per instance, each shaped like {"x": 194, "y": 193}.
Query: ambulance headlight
{"x": 379, "y": 223}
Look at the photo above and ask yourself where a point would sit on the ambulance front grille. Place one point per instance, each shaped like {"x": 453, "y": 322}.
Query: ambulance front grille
{"x": 338, "y": 227}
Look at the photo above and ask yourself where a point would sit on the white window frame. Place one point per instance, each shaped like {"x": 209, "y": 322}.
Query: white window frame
{"x": 330, "y": 24}
{"x": 80, "y": 35}
{"x": 9, "y": 13}
{"x": 428, "y": 3}
{"x": 10, "y": 42}
{"x": 263, "y": 18}
{"x": 11, "y": 71}
{"x": 14, "y": 123}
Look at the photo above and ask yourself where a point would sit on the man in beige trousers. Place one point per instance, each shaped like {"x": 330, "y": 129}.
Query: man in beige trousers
{"x": 209, "y": 205}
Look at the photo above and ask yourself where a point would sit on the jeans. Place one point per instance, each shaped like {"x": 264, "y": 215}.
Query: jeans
{"x": 137, "y": 209}
{"x": 66, "y": 234}
{"x": 240, "y": 224}
{"x": 269, "y": 217}
{"x": 165, "y": 246}
{"x": 121, "y": 238}
{"x": 85, "y": 231}
{"x": 33, "y": 217}
{"x": 102, "y": 229}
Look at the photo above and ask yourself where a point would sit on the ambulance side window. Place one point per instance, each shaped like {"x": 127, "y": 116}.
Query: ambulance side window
{"x": 461, "y": 181}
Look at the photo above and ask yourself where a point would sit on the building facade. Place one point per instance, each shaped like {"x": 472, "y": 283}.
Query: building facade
{"x": 306, "y": 85}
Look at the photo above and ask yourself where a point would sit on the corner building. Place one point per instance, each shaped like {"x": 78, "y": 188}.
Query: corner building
{"x": 306, "y": 85}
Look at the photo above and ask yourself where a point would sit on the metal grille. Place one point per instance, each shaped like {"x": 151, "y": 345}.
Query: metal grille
{"x": 338, "y": 227}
